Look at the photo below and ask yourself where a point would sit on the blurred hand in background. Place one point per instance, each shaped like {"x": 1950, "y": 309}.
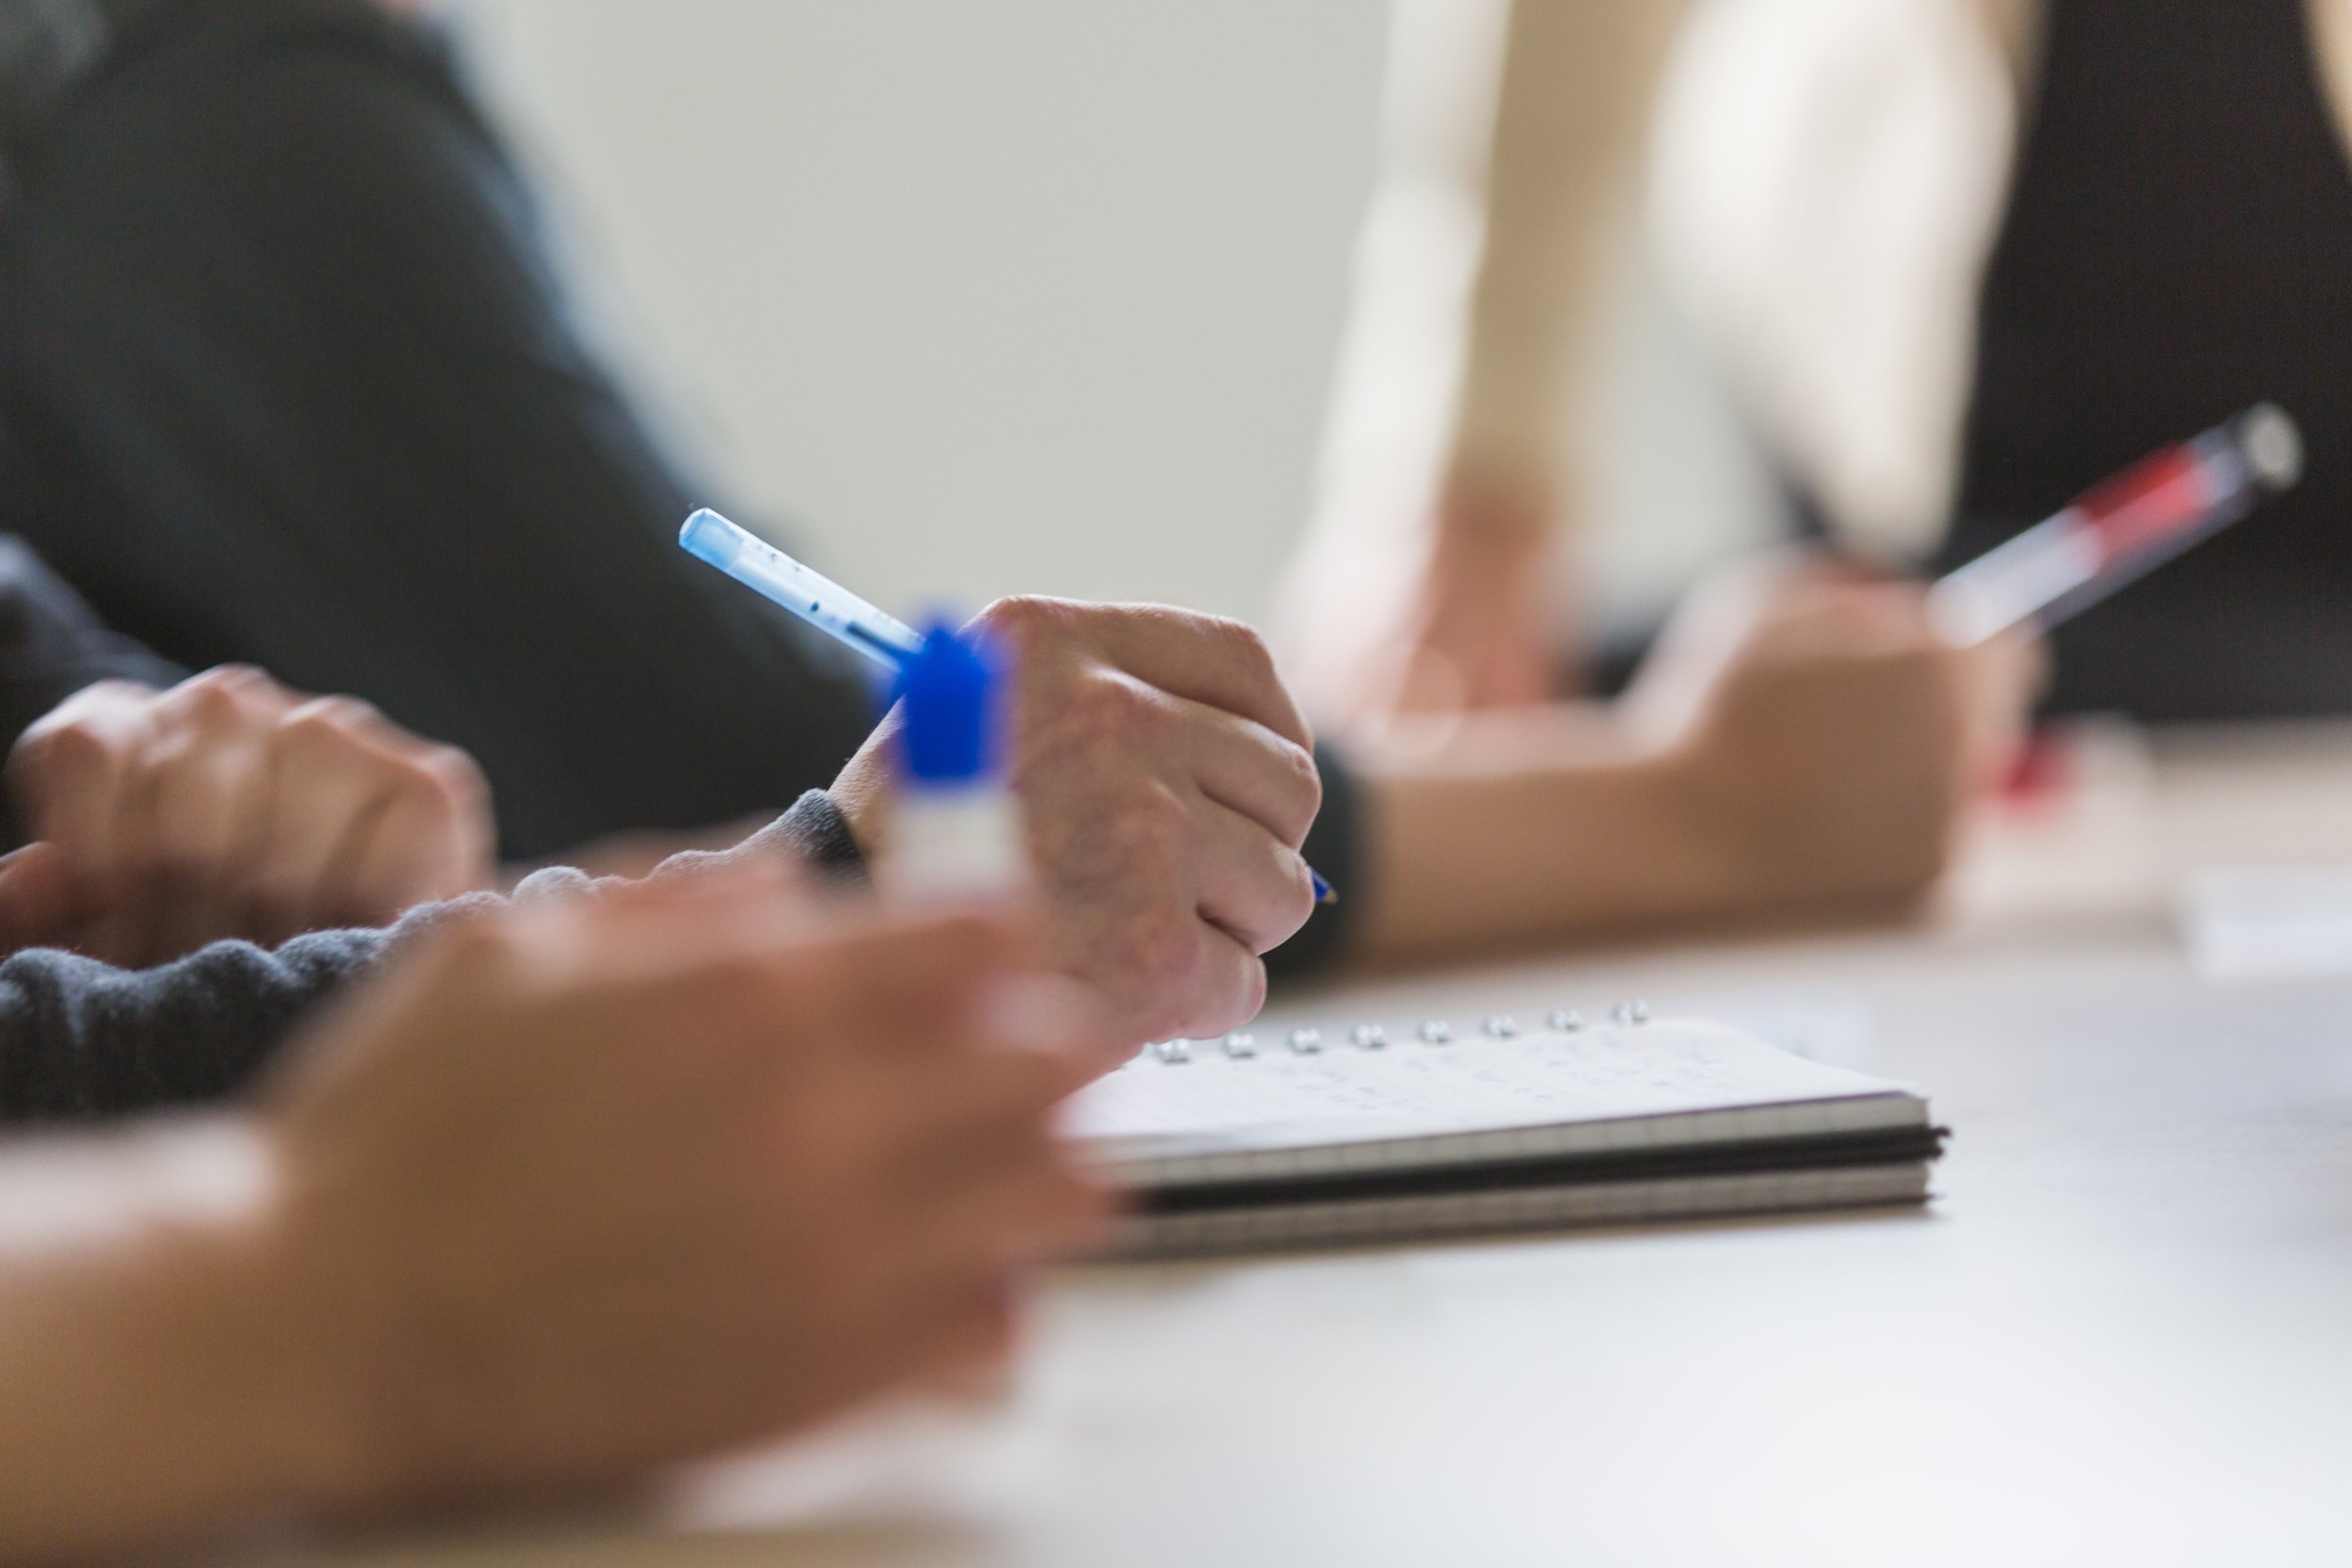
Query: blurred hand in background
{"x": 1833, "y": 740}
{"x": 1456, "y": 616}
{"x": 582, "y": 1187}
{"x": 643, "y": 1177}
{"x": 1801, "y": 739}
{"x": 231, "y": 807}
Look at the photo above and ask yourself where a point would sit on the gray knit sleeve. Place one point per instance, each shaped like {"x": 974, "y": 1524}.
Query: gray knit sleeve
{"x": 81, "y": 1038}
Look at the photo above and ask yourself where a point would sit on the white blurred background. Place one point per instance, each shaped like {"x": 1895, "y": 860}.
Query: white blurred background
{"x": 1034, "y": 295}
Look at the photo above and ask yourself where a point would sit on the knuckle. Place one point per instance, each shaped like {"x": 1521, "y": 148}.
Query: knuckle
{"x": 212, "y": 698}
{"x": 1223, "y": 987}
{"x": 411, "y": 788}
{"x": 441, "y": 775}
{"x": 231, "y": 695}
{"x": 340, "y": 712}
{"x": 327, "y": 723}
{"x": 1251, "y": 999}
{"x": 459, "y": 777}
{"x": 66, "y": 750}
{"x": 95, "y": 703}
{"x": 1243, "y": 643}
{"x": 1234, "y": 645}
{"x": 1166, "y": 954}
{"x": 1305, "y": 781}
{"x": 1296, "y": 905}
{"x": 1153, "y": 828}
{"x": 1109, "y": 712}
{"x": 1022, "y": 620}
{"x": 237, "y": 680}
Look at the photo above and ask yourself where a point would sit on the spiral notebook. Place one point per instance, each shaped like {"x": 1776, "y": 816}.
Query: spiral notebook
{"x": 1380, "y": 1131}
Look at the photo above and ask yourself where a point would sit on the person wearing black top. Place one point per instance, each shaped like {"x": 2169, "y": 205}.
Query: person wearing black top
{"x": 287, "y": 378}
{"x": 2177, "y": 247}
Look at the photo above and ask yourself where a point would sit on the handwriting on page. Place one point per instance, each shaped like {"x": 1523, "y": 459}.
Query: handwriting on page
{"x": 1420, "y": 1090}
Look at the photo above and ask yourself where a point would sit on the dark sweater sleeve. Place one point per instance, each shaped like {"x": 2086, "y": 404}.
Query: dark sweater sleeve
{"x": 80, "y": 1040}
{"x": 290, "y": 374}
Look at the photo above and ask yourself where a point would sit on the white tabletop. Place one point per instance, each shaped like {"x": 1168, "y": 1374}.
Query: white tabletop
{"x": 2123, "y": 1333}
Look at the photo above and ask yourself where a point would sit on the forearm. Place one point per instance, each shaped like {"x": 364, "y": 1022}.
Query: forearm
{"x": 1563, "y": 822}
{"x": 1512, "y": 127}
{"x": 1573, "y": 92}
{"x": 152, "y": 1385}
{"x": 1532, "y": 825}
{"x": 1426, "y": 579}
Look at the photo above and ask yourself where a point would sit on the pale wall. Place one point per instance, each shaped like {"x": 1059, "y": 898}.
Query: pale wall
{"x": 1030, "y": 294}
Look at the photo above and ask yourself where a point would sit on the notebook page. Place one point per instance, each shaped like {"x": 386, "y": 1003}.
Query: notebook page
{"x": 1156, "y": 1111}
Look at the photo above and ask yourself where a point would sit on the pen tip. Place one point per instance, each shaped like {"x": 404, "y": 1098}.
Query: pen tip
{"x": 1324, "y": 893}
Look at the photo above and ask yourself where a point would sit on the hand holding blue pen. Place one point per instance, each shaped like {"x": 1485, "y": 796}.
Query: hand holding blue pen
{"x": 821, "y": 602}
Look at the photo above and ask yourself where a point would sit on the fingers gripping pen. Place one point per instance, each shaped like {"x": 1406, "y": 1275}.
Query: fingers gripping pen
{"x": 949, "y": 758}
{"x": 954, "y": 827}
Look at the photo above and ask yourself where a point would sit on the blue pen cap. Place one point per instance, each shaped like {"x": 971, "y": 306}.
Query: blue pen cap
{"x": 953, "y": 690}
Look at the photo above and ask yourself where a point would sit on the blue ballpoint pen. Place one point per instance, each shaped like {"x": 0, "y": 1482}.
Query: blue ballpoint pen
{"x": 821, "y": 602}
{"x": 813, "y": 597}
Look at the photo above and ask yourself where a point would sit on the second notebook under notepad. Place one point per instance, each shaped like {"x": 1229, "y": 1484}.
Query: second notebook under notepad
{"x": 1375, "y": 1133}
{"x": 1199, "y": 1114}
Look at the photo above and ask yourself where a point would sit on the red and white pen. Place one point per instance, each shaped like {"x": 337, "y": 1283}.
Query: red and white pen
{"x": 2125, "y": 528}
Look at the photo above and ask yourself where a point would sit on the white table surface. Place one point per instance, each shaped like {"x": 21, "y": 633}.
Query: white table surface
{"x": 2123, "y": 1333}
